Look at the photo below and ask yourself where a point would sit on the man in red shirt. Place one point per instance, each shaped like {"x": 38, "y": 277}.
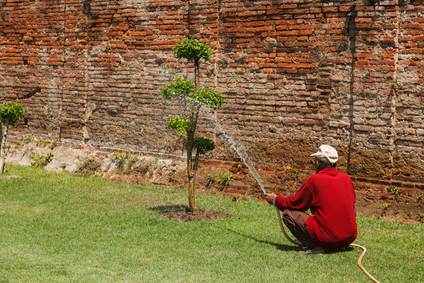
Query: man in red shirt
{"x": 330, "y": 196}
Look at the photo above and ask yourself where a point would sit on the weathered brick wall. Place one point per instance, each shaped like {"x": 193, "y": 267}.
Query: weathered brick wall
{"x": 295, "y": 74}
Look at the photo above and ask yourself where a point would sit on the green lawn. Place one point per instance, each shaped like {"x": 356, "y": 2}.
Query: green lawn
{"x": 58, "y": 228}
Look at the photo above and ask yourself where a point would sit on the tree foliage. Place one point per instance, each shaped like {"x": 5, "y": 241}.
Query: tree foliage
{"x": 207, "y": 97}
{"x": 11, "y": 113}
{"x": 193, "y": 98}
{"x": 192, "y": 50}
{"x": 203, "y": 145}
{"x": 177, "y": 88}
{"x": 181, "y": 125}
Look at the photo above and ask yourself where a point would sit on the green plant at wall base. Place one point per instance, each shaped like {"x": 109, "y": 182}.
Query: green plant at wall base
{"x": 226, "y": 178}
{"x": 211, "y": 176}
{"x": 395, "y": 191}
{"x": 385, "y": 205}
{"x": 54, "y": 144}
{"x": 121, "y": 157}
{"x": 420, "y": 196}
{"x": 39, "y": 160}
{"x": 134, "y": 158}
{"x": 193, "y": 98}
{"x": 239, "y": 166}
{"x": 407, "y": 215}
{"x": 90, "y": 165}
{"x": 45, "y": 143}
{"x": 10, "y": 113}
{"x": 26, "y": 139}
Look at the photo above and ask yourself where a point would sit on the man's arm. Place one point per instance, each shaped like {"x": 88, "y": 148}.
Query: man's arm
{"x": 270, "y": 198}
{"x": 300, "y": 201}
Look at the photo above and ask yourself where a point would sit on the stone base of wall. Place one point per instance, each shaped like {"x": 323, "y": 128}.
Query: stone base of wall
{"x": 381, "y": 198}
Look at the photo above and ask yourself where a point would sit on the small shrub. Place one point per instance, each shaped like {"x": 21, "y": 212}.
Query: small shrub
{"x": 26, "y": 140}
{"x": 54, "y": 144}
{"x": 120, "y": 158}
{"x": 146, "y": 167}
{"x": 211, "y": 176}
{"x": 385, "y": 205}
{"x": 134, "y": 158}
{"x": 226, "y": 178}
{"x": 395, "y": 191}
{"x": 39, "y": 160}
{"x": 90, "y": 165}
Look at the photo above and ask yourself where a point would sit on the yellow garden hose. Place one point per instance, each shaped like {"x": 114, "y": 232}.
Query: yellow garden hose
{"x": 353, "y": 245}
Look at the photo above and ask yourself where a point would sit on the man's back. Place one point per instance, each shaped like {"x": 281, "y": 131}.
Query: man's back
{"x": 333, "y": 200}
{"x": 330, "y": 196}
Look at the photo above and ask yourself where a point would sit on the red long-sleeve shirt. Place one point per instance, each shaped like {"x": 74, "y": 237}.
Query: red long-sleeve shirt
{"x": 331, "y": 197}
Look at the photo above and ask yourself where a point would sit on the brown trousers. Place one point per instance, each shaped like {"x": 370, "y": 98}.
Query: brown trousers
{"x": 296, "y": 222}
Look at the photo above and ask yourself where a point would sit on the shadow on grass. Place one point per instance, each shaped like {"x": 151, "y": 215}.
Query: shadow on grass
{"x": 278, "y": 246}
{"x": 168, "y": 208}
{"x": 175, "y": 208}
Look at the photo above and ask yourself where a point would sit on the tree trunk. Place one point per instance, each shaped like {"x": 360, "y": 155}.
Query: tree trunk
{"x": 191, "y": 175}
{"x": 196, "y": 74}
{"x": 4, "y": 128}
{"x": 191, "y": 199}
{"x": 190, "y": 139}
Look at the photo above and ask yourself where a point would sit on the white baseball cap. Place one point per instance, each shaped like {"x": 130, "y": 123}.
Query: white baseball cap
{"x": 327, "y": 154}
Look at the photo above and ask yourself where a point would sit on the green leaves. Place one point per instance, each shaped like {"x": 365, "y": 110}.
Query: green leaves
{"x": 203, "y": 145}
{"x": 209, "y": 97}
{"x": 177, "y": 88}
{"x": 13, "y": 112}
{"x": 183, "y": 86}
{"x": 181, "y": 125}
{"x": 192, "y": 50}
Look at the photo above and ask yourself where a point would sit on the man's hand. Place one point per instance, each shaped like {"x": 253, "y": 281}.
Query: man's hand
{"x": 270, "y": 197}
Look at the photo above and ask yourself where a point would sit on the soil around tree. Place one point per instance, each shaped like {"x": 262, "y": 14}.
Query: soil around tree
{"x": 187, "y": 216}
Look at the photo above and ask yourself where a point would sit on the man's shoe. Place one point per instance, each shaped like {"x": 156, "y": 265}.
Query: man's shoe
{"x": 316, "y": 250}
{"x": 312, "y": 252}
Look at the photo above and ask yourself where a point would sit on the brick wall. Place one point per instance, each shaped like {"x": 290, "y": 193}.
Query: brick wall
{"x": 295, "y": 74}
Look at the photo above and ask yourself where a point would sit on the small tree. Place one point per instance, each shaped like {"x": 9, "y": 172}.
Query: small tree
{"x": 193, "y": 98}
{"x": 9, "y": 115}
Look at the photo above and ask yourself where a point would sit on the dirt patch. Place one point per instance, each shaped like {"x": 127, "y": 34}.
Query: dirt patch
{"x": 393, "y": 208}
{"x": 187, "y": 216}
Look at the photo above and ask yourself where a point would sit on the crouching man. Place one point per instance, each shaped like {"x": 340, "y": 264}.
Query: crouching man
{"x": 330, "y": 196}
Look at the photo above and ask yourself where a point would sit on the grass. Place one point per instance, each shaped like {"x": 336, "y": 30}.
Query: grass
{"x": 59, "y": 228}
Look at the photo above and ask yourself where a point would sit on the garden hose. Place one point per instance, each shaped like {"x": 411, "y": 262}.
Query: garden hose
{"x": 353, "y": 245}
